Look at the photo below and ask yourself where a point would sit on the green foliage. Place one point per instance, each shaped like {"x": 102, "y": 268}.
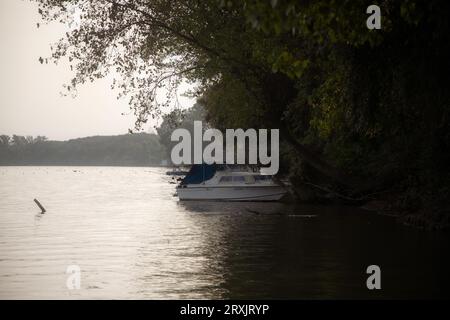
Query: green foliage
{"x": 178, "y": 118}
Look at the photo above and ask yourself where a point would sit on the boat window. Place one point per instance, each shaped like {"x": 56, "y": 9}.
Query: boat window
{"x": 238, "y": 179}
{"x": 225, "y": 179}
{"x": 249, "y": 179}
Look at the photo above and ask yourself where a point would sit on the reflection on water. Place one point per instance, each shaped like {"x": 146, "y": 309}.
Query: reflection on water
{"x": 133, "y": 239}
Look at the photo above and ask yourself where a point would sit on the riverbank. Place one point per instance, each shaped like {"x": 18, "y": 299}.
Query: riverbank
{"x": 408, "y": 208}
{"x": 431, "y": 218}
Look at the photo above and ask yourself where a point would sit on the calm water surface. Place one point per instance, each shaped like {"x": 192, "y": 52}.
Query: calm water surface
{"x": 132, "y": 239}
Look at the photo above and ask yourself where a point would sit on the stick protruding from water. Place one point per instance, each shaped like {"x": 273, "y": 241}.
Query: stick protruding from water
{"x": 39, "y": 205}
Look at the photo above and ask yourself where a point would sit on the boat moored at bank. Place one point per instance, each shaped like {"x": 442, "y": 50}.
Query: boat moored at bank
{"x": 228, "y": 183}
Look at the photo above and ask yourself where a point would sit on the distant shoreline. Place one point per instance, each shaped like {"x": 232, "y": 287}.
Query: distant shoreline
{"x": 133, "y": 150}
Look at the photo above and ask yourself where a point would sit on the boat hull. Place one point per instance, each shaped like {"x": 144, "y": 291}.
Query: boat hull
{"x": 231, "y": 193}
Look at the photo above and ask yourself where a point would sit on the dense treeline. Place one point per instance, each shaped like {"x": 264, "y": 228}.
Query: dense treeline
{"x": 139, "y": 149}
{"x": 363, "y": 114}
{"x": 179, "y": 118}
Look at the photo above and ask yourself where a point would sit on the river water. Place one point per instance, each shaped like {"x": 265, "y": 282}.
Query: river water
{"x": 132, "y": 239}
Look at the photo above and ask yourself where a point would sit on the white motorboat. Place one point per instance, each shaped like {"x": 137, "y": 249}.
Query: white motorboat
{"x": 228, "y": 183}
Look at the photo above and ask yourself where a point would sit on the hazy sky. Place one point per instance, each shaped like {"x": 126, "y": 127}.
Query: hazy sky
{"x": 30, "y": 99}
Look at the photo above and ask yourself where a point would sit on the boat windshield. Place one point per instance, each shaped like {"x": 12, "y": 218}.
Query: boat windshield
{"x": 225, "y": 179}
{"x": 228, "y": 179}
{"x": 199, "y": 173}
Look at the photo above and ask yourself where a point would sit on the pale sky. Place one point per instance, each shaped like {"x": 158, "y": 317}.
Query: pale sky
{"x": 30, "y": 99}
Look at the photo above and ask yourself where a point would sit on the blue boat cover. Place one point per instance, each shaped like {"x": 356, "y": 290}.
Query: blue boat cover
{"x": 199, "y": 173}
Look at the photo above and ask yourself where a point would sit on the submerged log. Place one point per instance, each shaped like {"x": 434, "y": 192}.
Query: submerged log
{"x": 39, "y": 205}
